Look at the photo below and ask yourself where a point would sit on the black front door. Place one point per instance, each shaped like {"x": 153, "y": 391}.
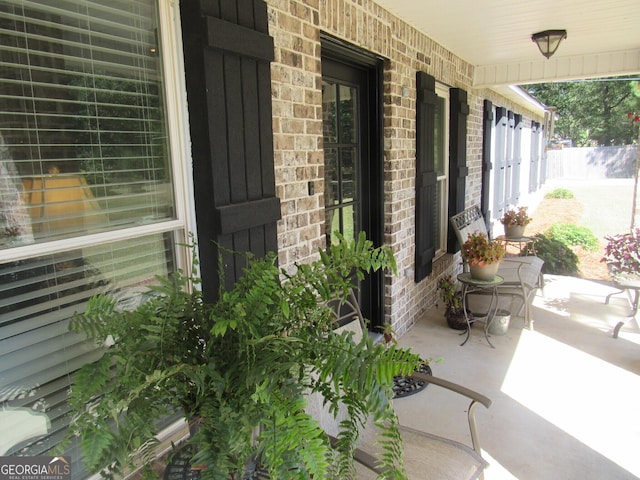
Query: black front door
{"x": 353, "y": 167}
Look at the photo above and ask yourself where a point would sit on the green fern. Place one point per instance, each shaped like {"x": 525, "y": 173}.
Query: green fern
{"x": 246, "y": 361}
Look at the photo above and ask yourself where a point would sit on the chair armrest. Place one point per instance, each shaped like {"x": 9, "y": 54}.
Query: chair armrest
{"x": 370, "y": 462}
{"x": 454, "y": 387}
{"x": 475, "y": 397}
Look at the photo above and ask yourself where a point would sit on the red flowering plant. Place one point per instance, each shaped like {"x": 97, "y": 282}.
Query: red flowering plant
{"x": 622, "y": 253}
{"x": 479, "y": 250}
{"x": 516, "y": 217}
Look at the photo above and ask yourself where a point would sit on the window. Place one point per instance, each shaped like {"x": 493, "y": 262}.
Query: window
{"x": 437, "y": 191}
{"x": 441, "y": 159}
{"x": 89, "y": 195}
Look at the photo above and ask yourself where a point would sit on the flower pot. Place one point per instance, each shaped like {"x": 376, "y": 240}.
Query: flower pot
{"x": 485, "y": 272}
{"x": 457, "y": 320}
{"x": 514, "y": 231}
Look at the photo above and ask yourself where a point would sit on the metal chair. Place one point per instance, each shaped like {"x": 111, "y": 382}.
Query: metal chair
{"x": 426, "y": 455}
{"x": 522, "y": 275}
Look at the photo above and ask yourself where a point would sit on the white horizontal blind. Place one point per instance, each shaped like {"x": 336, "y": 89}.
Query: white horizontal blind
{"x": 83, "y": 149}
{"x": 85, "y": 141}
{"x": 37, "y": 352}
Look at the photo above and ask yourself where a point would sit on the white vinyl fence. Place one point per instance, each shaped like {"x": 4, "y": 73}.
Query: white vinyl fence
{"x": 592, "y": 163}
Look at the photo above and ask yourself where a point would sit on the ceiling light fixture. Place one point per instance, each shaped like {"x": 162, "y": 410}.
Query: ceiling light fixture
{"x": 548, "y": 41}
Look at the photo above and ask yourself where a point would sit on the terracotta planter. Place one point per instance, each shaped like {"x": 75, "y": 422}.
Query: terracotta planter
{"x": 485, "y": 272}
{"x": 514, "y": 231}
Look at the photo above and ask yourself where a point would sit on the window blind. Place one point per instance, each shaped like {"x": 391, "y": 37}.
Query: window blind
{"x": 83, "y": 149}
{"x": 38, "y": 354}
{"x": 82, "y": 126}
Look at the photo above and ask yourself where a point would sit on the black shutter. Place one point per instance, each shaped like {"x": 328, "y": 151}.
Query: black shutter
{"x": 487, "y": 127}
{"x": 228, "y": 51}
{"x": 426, "y": 215}
{"x": 457, "y": 157}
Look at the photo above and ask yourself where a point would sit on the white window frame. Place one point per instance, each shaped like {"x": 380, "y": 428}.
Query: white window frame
{"x": 170, "y": 40}
{"x": 178, "y": 128}
{"x": 499, "y": 161}
{"x": 442, "y": 181}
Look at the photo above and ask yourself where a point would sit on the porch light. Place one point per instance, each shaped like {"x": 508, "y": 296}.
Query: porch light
{"x": 548, "y": 41}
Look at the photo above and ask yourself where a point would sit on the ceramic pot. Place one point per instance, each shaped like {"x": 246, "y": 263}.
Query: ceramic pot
{"x": 514, "y": 231}
{"x": 485, "y": 272}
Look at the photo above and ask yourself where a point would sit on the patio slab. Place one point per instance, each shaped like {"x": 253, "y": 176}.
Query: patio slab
{"x": 565, "y": 394}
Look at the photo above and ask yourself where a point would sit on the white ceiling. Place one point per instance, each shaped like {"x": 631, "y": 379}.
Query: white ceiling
{"x": 603, "y": 36}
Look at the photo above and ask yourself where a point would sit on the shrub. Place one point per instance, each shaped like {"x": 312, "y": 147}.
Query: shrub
{"x": 558, "y": 258}
{"x": 573, "y": 235}
{"x": 560, "y": 193}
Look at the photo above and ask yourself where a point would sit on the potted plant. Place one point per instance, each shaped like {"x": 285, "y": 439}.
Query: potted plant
{"x": 483, "y": 255}
{"x": 515, "y": 222}
{"x": 622, "y": 254}
{"x": 240, "y": 369}
{"x": 450, "y": 293}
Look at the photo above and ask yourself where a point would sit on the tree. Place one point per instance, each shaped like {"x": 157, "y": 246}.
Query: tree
{"x": 592, "y": 112}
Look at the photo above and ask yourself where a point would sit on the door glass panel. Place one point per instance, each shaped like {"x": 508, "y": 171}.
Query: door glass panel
{"x": 332, "y": 219}
{"x": 349, "y": 185}
{"x": 341, "y": 154}
{"x": 329, "y": 112}
{"x": 349, "y": 221}
{"x": 342, "y": 220}
{"x": 348, "y": 116}
{"x": 331, "y": 190}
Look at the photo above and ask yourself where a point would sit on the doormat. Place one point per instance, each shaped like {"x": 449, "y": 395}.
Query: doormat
{"x": 405, "y": 386}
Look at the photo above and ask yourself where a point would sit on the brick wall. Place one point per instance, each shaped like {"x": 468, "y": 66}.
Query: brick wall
{"x": 297, "y": 123}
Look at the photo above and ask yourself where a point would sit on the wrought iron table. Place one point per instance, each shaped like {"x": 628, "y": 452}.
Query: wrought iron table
{"x": 471, "y": 285}
{"x": 522, "y": 242}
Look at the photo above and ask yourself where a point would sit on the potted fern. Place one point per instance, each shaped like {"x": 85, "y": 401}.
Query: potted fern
{"x": 483, "y": 255}
{"x": 240, "y": 369}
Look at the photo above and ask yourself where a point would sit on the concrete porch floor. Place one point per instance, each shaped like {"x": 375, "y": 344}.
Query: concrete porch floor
{"x": 566, "y": 395}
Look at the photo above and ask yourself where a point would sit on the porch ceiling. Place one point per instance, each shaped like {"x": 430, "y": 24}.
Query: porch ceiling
{"x": 603, "y": 37}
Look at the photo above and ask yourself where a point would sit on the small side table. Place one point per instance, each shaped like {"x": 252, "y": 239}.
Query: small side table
{"x": 630, "y": 283}
{"x": 522, "y": 242}
{"x": 470, "y": 285}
